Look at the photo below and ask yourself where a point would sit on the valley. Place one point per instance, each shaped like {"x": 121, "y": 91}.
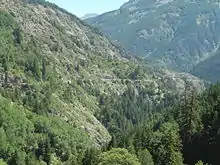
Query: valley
{"x": 71, "y": 96}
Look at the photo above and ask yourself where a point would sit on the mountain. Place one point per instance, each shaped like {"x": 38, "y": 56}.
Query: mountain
{"x": 181, "y": 35}
{"x": 62, "y": 81}
{"x": 89, "y": 15}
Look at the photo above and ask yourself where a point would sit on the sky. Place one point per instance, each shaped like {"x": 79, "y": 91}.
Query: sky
{"x": 82, "y": 7}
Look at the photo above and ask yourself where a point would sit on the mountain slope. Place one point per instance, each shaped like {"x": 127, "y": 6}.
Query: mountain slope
{"x": 54, "y": 72}
{"x": 208, "y": 69}
{"x": 172, "y": 33}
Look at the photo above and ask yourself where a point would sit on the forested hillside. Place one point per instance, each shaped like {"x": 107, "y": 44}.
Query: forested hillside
{"x": 68, "y": 96}
{"x": 180, "y": 35}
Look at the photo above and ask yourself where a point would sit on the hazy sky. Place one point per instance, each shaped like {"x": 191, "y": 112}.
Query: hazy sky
{"x": 81, "y": 7}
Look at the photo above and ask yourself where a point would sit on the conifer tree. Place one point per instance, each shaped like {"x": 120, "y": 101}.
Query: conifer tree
{"x": 190, "y": 116}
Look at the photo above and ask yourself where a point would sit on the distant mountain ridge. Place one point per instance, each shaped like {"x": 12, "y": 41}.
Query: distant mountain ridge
{"x": 182, "y": 35}
{"x": 89, "y": 15}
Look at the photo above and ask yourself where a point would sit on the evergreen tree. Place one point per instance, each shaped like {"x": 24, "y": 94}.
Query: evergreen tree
{"x": 6, "y": 68}
{"x": 44, "y": 70}
{"x": 166, "y": 144}
{"x": 190, "y": 115}
{"x": 90, "y": 157}
{"x": 131, "y": 147}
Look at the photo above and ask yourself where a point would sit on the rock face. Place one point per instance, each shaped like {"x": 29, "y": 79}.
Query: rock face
{"x": 181, "y": 35}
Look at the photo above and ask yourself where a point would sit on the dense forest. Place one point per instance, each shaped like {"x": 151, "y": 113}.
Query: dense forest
{"x": 185, "y": 132}
{"x": 179, "y": 129}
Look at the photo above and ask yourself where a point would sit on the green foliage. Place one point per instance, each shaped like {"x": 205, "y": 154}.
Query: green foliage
{"x": 145, "y": 157}
{"x": 90, "y": 157}
{"x": 190, "y": 115}
{"x": 2, "y": 162}
{"x": 199, "y": 163}
{"x": 6, "y": 20}
{"x": 167, "y": 145}
{"x": 118, "y": 156}
{"x": 186, "y": 132}
{"x": 121, "y": 114}
{"x": 23, "y": 132}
